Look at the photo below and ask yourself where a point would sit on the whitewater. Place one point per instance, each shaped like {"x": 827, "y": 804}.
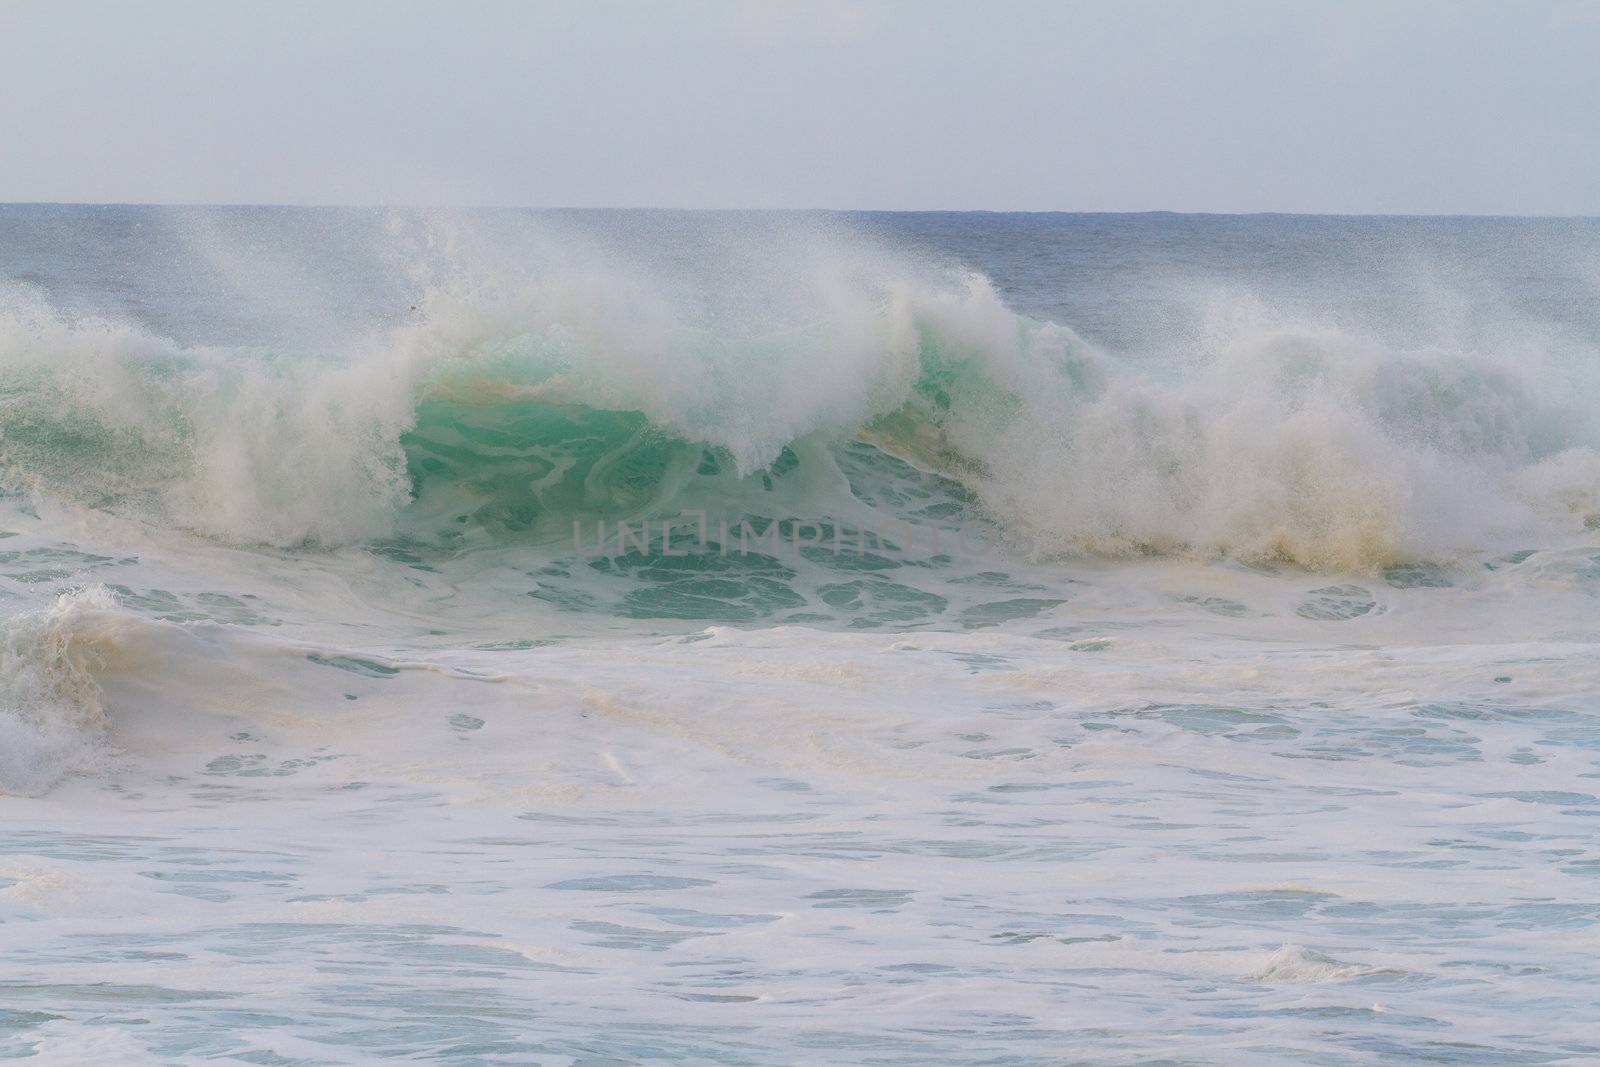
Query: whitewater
{"x": 653, "y": 637}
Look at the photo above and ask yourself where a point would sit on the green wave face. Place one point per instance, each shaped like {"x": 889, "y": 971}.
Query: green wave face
{"x": 608, "y": 514}
{"x": 526, "y": 469}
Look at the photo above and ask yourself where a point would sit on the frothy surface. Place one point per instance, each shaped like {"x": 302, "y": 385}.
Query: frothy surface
{"x": 1214, "y": 668}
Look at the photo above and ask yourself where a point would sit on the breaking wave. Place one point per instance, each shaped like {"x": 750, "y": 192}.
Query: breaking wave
{"x": 51, "y": 718}
{"x": 509, "y": 406}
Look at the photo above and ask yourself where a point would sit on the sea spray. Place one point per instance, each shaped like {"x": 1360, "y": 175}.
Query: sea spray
{"x": 51, "y": 717}
{"x": 577, "y": 385}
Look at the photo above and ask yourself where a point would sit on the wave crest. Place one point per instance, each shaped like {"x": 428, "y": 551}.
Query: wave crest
{"x": 1275, "y": 440}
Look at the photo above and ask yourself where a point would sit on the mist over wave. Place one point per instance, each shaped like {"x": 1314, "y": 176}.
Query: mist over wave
{"x": 536, "y": 380}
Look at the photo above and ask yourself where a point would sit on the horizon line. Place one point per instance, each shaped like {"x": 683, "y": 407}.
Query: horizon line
{"x": 353, "y": 206}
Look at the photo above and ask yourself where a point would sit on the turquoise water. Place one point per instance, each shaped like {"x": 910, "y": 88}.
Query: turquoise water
{"x": 1077, "y": 639}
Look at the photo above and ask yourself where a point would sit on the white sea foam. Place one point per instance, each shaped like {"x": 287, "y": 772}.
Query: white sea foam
{"x": 1295, "y": 963}
{"x": 51, "y": 716}
{"x": 1274, "y": 438}
{"x": 402, "y": 777}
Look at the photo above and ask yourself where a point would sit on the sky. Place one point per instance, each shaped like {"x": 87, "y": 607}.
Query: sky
{"x": 1341, "y": 106}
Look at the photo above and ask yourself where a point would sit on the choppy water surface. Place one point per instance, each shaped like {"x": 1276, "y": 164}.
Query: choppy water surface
{"x": 1179, "y": 644}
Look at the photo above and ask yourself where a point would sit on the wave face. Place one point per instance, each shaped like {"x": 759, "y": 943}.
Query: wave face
{"x": 578, "y": 384}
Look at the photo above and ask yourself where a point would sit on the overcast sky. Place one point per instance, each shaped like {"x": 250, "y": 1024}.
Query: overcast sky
{"x": 1481, "y": 106}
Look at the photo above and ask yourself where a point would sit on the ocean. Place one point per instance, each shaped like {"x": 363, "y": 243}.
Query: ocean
{"x": 633, "y": 637}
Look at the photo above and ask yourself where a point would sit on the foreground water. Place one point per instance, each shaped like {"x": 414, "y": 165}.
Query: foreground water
{"x": 1211, "y": 680}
